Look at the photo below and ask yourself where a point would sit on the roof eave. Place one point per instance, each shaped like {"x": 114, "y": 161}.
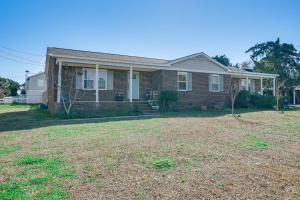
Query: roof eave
{"x": 263, "y": 75}
{"x": 97, "y": 60}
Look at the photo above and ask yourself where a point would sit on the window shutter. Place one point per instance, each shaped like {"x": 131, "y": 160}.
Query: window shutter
{"x": 221, "y": 83}
{"x": 190, "y": 80}
{"x": 209, "y": 82}
{"x": 79, "y": 76}
{"x": 110, "y": 80}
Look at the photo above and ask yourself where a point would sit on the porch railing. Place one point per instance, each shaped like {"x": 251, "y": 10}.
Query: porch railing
{"x": 152, "y": 99}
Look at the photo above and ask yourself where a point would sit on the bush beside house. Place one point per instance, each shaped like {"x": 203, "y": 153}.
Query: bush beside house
{"x": 243, "y": 99}
{"x": 261, "y": 101}
{"x": 166, "y": 98}
{"x": 247, "y": 100}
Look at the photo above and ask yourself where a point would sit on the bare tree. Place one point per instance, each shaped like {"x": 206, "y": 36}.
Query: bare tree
{"x": 245, "y": 64}
{"x": 69, "y": 94}
{"x": 234, "y": 90}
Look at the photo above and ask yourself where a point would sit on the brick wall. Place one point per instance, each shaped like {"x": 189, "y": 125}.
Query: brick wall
{"x": 158, "y": 80}
{"x": 94, "y": 108}
{"x": 200, "y": 94}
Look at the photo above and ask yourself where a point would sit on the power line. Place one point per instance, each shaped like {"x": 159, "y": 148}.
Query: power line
{"x": 23, "y": 52}
{"x": 23, "y": 62}
{"x": 19, "y": 57}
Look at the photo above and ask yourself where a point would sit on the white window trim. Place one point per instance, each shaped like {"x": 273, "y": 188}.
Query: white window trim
{"x": 94, "y": 85}
{"x": 219, "y": 83}
{"x": 186, "y": 81}
{"x": 83, "y": 79}
{"x": 106, "y": 78}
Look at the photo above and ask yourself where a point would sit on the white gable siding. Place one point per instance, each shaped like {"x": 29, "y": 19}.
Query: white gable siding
{"x": 36, "y": 82}
{"x": 198, "y": 63}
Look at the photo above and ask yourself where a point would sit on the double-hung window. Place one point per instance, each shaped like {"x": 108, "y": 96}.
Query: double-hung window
{"x": 182, "y": 81}
{"x": 215, "y": 83}
{"x": 102, "y": 80}
{"x": 88, "y": 79}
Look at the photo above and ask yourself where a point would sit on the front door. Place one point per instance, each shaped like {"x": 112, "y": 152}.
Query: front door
{"x": 135, "y": 85}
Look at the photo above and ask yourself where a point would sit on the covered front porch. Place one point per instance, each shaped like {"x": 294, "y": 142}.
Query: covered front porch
{"x": 254, "y": 82}
{"x": 106, "y": 85}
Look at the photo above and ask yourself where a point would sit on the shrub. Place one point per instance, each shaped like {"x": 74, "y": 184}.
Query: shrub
{"x": 243, "y": 99}
{"x": 166, "y": 98}
{"x": 283, "y": 101}
{"x": 262, "y": 101}
{"x": 164, "y": 163}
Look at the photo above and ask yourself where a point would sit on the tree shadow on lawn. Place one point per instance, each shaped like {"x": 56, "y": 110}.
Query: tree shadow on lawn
{"x": 34, "y": 118}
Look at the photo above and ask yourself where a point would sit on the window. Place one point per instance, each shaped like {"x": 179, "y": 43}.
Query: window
{"x": 244, "y": 84}
{"x": 102, "y": 79}
{"x": 182, "y": 81}
{"x": 250, "y": 86}
{"x": 215, "y": 82}
{"x": 88, "y": 79}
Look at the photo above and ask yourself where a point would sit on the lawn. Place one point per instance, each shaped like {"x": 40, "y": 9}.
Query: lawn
{"x": 176, "y": 156}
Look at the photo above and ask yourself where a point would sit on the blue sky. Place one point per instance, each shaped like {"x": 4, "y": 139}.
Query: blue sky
{"x": 151, "y": 28}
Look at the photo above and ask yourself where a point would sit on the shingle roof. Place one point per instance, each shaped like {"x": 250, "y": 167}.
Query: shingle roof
{"x": 234, "y": 69}
{"x": 106, "y": 56}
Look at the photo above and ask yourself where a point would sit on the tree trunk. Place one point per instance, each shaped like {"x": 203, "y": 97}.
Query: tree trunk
{"x": 232, "y": 108}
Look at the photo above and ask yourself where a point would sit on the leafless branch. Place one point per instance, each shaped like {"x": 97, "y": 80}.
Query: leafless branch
{"x": 234, "y": 90}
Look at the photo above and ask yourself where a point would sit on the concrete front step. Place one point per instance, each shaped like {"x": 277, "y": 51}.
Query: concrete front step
{"x": 144, "y": 107}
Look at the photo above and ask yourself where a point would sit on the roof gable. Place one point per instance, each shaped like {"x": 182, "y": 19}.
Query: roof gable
{"x": 199, "y": 61}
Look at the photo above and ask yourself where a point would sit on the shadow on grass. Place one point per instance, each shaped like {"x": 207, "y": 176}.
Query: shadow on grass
{"x": 35, "y": 118}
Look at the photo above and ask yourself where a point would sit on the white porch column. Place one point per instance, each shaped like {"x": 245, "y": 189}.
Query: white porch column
{"x": 130, "y": 84}
{"x": 59, "y": 82}
{"x": 261, "y": 86}
{"x": 96, "y": 82}
{"x": 294, "y": 96}
{"x": 247, "y": 78}
{"x": 274, "y": 84}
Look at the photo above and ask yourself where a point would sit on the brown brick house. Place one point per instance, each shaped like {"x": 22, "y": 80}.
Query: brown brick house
{"x": 124, "y": 81}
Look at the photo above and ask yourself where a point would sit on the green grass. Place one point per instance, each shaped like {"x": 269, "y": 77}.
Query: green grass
{"x": 221, "y": 186}
{"x": 254, "y": 142}
{"x": 7, "y": 150}
{"x": 53, "y": 194}
{"x": 39, "y": 177}
{"x": 164, "y": 163}
{"x": 29, "y": 160}
{"x": 13, "y": 106}
{"x": 38, "y": 180}
{"x": 11, "y": 191}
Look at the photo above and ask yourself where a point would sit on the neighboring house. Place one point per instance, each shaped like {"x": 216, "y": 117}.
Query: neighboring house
{"x": 35, "y": 87}
{"x": 198, "y": 79}
{"x": 296, "y": 95}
